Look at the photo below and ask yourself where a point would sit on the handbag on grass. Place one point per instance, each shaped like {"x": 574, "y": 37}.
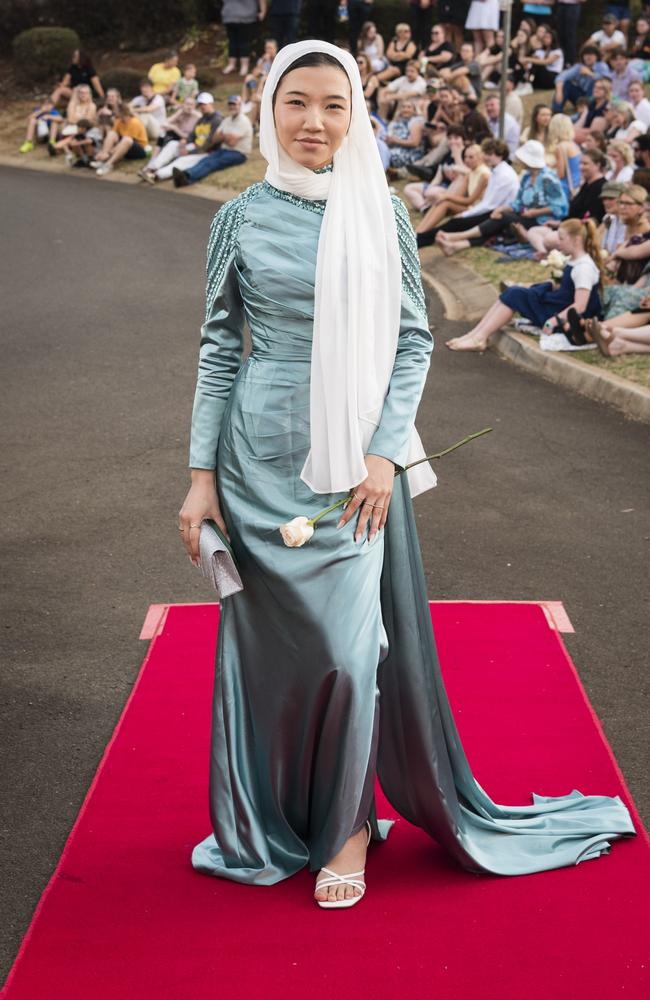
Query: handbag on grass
{"x": 216, "y": 560}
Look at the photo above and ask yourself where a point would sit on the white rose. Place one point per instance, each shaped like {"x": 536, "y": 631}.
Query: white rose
{"x": 296, "y": 532}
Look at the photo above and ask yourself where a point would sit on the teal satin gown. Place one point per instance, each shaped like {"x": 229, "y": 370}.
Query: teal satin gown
{"x": 326, "y": 667}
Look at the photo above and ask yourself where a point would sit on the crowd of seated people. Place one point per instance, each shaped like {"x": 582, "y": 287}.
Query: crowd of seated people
{"x": 567, "y": 176}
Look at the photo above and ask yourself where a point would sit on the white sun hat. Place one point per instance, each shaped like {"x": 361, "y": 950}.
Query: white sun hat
{"x": 531, "y": 154}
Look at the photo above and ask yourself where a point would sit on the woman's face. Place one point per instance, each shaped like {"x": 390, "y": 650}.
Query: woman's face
{"x": 455, "y": 142}
{"x": 615, "y": 159}
{"x": 404, "y": 33}
{"x": 642, "y": 26}
{"x": 364, "y": 64}
{"x": 635, "y": 92}
{"x": 112, "y": 95}
{"x": 371, "y": 33}
{"x": 546, "y": 39}
{"x": 617, "y": 119}
{"x": 544, "y": 117}
{"x": 473, "y": 156}
{"x": 599, "y": 91}
{"x": 83, "y": 93}
{"x": 407, "y": 109}
{"x": 313, "y": 106}
{"x": 629, "y": 211}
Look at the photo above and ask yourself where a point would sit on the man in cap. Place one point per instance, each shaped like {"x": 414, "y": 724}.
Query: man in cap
{"x": 184, "y": 154}
{"x": 612, "y": 233}
{"x": 229, "y": 146}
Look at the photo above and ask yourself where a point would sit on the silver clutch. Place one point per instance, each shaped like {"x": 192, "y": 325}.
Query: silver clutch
{"x": 217, "y": 563}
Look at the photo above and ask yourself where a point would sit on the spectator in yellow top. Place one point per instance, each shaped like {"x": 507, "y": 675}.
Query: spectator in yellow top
{"x": 126, "y": 140}
{"x": 165, "y": 75}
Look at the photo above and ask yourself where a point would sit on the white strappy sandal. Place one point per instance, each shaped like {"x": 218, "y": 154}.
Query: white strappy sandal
{"x": 352, "y": 878}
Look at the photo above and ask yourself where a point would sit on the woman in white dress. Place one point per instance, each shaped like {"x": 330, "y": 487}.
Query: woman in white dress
{"x": 483, "y": 22}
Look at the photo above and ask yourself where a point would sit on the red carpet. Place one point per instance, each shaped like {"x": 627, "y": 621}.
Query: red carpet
{"x": 125, "y": 915}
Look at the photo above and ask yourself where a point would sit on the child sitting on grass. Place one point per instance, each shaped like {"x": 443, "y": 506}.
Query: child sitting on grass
{"x": 39, "y": 125}
{"x": 556, "y": 310}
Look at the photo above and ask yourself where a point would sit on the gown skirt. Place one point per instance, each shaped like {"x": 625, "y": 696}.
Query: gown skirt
{"x": 326, "y": 667}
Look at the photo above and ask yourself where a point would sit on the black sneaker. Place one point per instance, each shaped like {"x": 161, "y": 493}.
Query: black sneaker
{"x": 180, "y": 178}
{"x": 51, "y": 149}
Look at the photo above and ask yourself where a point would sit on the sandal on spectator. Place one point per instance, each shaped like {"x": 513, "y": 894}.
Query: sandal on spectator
{"x": 576, "y": 333}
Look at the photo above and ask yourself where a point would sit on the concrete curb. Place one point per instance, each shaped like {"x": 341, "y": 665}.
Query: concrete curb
{"x": 466, "y": 295}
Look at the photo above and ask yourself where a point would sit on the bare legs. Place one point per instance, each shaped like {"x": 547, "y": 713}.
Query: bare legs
{"x": 476, "y": 339}
{"x": 451, "y": 243}
{"x": 436, "y": 214}
{"x": 625, "y": 334}
{"x": 541, "y": 238}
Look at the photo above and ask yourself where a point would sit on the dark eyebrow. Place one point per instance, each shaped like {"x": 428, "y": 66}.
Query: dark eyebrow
{"x": 330, "y": 97}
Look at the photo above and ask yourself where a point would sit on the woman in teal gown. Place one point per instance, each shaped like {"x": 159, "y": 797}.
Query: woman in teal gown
{"x": 326, "y": 665}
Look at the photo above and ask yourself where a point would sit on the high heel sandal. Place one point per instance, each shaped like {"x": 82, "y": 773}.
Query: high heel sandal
{"x": 352, "y": 878}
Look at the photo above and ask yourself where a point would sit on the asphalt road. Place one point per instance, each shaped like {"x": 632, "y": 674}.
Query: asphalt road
{"x": 101, "y": 313}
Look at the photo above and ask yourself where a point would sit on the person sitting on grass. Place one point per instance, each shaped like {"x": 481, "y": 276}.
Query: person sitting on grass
{"x": 80, "y": 105}
{"x": 555, "y": 310}
{"x": 470, "y": 191}
{"x": 578, "y": 80}
{"x": 187, "y": 86}
{"x": 150, "y": 109}
{"x": 180, "y": 124}
{"x": 231, "y": 145}
{"x": 127, "y": 140}
{"x": 628, "y": 333}
{"x": 165, "y": 75}
{"x": 540, "y": 197}
{"x": 80, "y": 70}
{"x": 501, "y": 190}
{"x": 81, "y": 147}
{"x": 611, "y": 231}
{"x": 38, "y": 125}
{"x": 185, "y": 153}
{"x": 586, "y": 203}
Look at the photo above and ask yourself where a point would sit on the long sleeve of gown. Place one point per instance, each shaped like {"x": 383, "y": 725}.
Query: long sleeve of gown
{"x": 414, "y": 346}
{"x": 222, "y": 338}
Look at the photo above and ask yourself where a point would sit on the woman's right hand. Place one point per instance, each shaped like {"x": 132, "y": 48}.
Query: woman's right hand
{"x": 200, "y": 503}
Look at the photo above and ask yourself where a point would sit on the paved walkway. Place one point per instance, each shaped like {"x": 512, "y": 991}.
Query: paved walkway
{"x": 101, "y": 326}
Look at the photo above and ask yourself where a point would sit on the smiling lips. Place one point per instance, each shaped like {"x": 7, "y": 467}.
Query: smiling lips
{"x": 312, "y": 142}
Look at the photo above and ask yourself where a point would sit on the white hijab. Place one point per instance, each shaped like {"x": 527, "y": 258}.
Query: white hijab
{"x": 358, "y": 289}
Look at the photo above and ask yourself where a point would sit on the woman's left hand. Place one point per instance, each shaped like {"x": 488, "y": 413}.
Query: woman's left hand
{"x": 372, "y": 497}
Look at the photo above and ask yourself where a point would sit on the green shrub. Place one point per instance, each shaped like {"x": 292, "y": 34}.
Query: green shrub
{"x": 126, "y": 80}
{"x": 43, "y": 53}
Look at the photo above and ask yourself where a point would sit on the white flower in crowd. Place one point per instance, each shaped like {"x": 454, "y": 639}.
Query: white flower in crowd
{"x": 556, "y": 259}
{"x": 297, "y": 532}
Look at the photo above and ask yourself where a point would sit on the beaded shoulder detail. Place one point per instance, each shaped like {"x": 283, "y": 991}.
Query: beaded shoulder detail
{"x": 408, "y": 248}
{"x": 317, "y": 206}
{"x": 223, "y": 239}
